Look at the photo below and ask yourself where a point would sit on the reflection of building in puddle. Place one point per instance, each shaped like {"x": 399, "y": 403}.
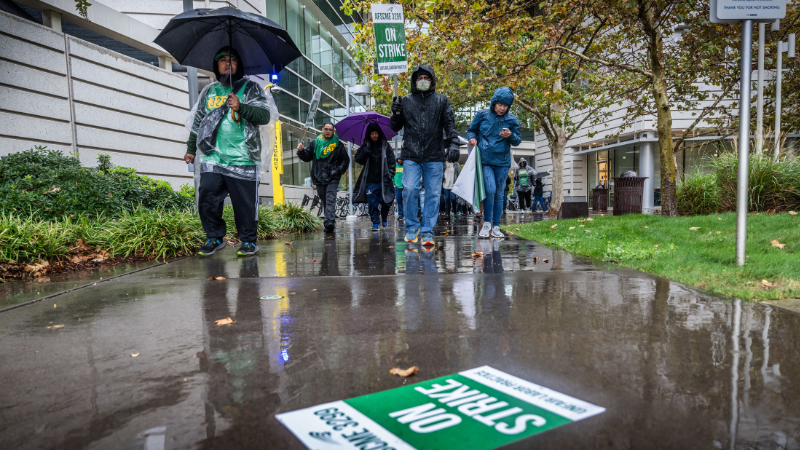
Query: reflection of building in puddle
{"x": 464, "y": 291}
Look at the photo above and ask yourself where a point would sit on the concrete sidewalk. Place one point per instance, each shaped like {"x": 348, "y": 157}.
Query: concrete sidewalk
{"x": 674, "y": 367}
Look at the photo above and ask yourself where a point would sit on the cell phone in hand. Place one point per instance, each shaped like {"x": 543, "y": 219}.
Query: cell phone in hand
{"x": 191, "y": 167}
{"x": 505, "y": 129}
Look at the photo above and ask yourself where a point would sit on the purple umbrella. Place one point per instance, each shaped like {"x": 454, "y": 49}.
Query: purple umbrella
{"x": 353, "y": 127}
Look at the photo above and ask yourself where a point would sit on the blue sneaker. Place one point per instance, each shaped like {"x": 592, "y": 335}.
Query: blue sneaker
{"x": 375, "y": 226}
{"x": 385, "y": 224}
{"x": 427, "y": 240}
{"x": 411, "y": 237}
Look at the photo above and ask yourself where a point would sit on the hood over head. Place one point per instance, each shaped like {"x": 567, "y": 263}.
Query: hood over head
{"x": 374, "y": 127}
{"x": 238, "y": 75}
{"x": 422, "y": 69}
{"x": 503, "y": 95}
{"x": 521, "y": 161}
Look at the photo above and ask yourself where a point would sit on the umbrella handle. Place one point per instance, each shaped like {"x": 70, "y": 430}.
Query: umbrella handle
{"x": 236, "y": 116}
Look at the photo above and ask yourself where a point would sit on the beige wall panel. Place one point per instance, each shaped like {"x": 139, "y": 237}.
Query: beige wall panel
{"x": 104, "y": 118}
{"x": 82, "y": 70}
{"x": 84, "y": 92}
{"x": 125, "y": 64}
{"x": 10, "y": 145}
{"x": 105, "y": 139}
{"x": 29, "y": 78}
{"x": 18, "y": 125}
{"x": 33, "y": 55}
{"x": 26, "y": 102}
{"x": 25, "y": 29}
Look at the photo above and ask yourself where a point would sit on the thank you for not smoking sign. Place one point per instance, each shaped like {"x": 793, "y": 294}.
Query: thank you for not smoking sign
{"x": 478, "y": 409}
{"x": 390, "y": 38}
{"x": 723, "y": 11}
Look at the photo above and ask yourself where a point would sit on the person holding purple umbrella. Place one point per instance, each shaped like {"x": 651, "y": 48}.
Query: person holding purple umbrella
{"x": 375, "y": 184}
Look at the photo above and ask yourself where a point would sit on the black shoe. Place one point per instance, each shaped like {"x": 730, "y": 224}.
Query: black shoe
{"x": 330, "y": 228}
{"x": 247, "y": 249}
{"x": 211, "y": 246}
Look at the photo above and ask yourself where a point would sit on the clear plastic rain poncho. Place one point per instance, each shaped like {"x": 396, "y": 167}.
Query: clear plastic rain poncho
{"x": 221, "y": 145}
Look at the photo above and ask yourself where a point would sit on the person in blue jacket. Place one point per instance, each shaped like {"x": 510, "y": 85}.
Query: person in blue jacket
{"x": 494, "y": 131}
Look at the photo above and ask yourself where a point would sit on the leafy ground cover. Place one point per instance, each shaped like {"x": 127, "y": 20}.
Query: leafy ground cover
{"x": 696, "y": 250}
{"x": 34, "y": 247}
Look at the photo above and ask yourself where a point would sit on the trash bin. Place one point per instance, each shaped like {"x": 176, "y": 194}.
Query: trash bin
{"x": 628, "y": 193}
{"x": 600, "y": 198}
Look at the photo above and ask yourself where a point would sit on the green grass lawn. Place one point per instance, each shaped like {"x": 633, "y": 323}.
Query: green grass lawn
{"x": 703, "y": 257}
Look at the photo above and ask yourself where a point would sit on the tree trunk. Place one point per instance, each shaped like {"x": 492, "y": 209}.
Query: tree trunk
{"x": 655, "y": 50}
{"x": 557, "y": 145}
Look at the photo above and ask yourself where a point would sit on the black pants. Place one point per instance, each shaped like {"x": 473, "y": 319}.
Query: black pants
{"x": 214, "y": 187}
{"x": 524, "y": 200}
{"x": 327, "y": 197}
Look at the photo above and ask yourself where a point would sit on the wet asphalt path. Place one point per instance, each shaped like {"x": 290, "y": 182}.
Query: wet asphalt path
{"x": 674, "y": 367}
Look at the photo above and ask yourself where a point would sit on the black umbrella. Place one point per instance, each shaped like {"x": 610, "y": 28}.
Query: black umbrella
{"x": 194, "y": 37}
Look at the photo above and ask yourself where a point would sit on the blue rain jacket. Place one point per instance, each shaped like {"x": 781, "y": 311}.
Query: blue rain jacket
{"x": 486, "y": 127}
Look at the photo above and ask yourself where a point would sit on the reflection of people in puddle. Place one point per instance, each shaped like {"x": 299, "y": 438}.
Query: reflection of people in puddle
{"x": 330, "y": 260}
{"x": 240, "y": 386}
{"x": 423, "y": 261}
{"x": 492, "y": 261}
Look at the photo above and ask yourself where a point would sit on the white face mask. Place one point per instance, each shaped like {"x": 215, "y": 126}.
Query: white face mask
{"x": 423, "y": 85}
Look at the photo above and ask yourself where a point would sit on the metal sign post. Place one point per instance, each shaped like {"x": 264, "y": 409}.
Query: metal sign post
{"x": 747, "y": 12}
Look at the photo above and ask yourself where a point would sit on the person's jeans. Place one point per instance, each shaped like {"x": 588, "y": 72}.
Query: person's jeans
{"x": 494, "y": 179}
{"x": 327, "y": 197}
{"x": 524, "y": 200}
{"x": 398, "y": 196}
{"x": 378, "y": 210}
{"x": 432, "y": 173}
{"x": 538, "y": 200}
{"x": 449, "y": 199}
{"x": 505, "y": 198}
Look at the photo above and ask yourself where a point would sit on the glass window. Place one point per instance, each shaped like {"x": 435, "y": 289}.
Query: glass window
{"x": 325, "y": 51}
{"x": 326, "y": 103}
{"x": 276, "y": 11}
{"x": 288, "y": 82}
{"x": 312, "y": 42}
{"x": 287, "y": 105}
{"x": 294, "y": 22}
{"x": 306, "y": 90}
{"x": 326, "y": 83}
{"x": 336, "y": 62}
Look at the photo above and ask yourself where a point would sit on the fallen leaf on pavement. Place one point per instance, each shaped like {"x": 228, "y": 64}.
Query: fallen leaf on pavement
{"x": 694, "y": 228}
{"x": 766, "y": 283}
{"x": 134, "y": 355}
{"x": 37, "y": 267}
{"x": 546, "y": 260}
{"x": 55, "y": 326}
{"x": 218, "y": 278}
{"x": 535, "y": 258}
{"x": 404, "y": 373}
{"x": 476, "y": 255}
{"x": 775, "y": 243}
{"x": 288, "y": 243}
{"x": 314, "y": 260}
{"x": 225, "y": 321}
{"x": 391, "y": 246}
{"x": 555, "y": 265}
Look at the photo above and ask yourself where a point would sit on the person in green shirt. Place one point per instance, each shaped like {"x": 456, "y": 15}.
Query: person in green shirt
{"x": 225, "y": 129}
{"x": 523, "y": 185}
{"x": 398, "y": 188}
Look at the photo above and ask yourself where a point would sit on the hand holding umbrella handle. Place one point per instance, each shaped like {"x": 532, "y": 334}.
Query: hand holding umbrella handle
{"x": 233, "y": 104}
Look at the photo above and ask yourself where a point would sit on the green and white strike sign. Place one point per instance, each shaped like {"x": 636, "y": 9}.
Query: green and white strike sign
{"x": 479, "y": 409}
{"x": 390, "y": 38}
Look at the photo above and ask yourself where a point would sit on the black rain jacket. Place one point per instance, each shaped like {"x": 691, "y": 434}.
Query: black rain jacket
{"x": 328, "y": 170}
{"x": 426, "y": 118}
{"x": 375, "y": 156}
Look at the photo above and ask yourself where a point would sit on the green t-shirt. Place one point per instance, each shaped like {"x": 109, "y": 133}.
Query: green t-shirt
{"x": 523, "y": 177}
{"x": 398, "y": 176}
{"x": 231, "y": 137}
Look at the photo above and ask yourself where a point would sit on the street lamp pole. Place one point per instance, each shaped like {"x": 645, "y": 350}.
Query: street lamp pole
{"x": 351, "y": 213}
{"x": 742, "y": 199}
{"x": 762, "y": 28}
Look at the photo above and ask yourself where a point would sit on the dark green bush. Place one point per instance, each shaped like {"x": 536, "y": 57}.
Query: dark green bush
{"x": 48, "y": 185}
{"x": 774, "y": 184}
{"x": 698, "y": 195}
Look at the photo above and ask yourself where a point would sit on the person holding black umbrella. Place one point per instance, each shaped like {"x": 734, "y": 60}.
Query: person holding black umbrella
{"x": 329, "y": 161}
{"x": 231, "y": 144}
{"x": 375, "y": 184}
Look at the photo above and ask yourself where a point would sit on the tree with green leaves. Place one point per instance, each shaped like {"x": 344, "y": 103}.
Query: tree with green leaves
{"x": 477, "y": 46}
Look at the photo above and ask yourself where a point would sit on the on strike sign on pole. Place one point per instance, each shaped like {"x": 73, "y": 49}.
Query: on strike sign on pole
{"x": 478, "y": 409}
{"x": 390, "y": 38}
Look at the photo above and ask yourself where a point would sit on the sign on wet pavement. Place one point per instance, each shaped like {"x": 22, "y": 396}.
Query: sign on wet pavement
{"x": 478, "y": 409}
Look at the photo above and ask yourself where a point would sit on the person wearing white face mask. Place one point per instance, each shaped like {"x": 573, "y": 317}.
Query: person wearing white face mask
{"x": 429, "y": 127}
